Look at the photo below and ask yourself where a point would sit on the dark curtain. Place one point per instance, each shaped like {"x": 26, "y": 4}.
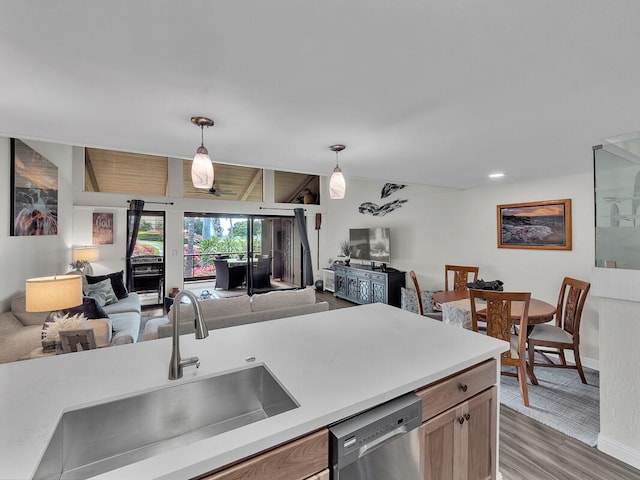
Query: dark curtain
{"x": 134, "y": 215}
{"x": 307, "y": 267}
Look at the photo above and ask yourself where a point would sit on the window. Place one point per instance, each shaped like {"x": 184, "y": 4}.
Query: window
{"x": 209, "y": 235}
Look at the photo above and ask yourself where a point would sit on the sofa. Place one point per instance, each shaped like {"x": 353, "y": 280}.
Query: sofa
{"x": 21, "y": 331}
{"x": 241, "y": 310}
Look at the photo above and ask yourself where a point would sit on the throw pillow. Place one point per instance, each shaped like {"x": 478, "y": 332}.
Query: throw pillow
{"x": 117, "y": 282}
{"x": 102, "y": 292}
{"x": 89, "y": 308}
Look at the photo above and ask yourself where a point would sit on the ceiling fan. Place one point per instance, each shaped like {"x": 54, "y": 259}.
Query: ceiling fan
{"x": 217, "y": 192}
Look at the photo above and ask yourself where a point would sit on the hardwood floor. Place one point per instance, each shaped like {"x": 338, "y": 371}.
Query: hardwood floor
{"x": 532, "y": 451}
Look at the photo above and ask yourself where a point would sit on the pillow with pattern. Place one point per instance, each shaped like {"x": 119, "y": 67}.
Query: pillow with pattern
{"x": 102, "y": 292}
{"x": 409, "y": 300}
{"x": 89, "y": 308}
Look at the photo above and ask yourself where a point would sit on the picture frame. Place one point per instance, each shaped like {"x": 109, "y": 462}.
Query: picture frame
{"x": 102, "y": 228}
{"x": 34, "y": 192}
{"x": 544, "y": 225}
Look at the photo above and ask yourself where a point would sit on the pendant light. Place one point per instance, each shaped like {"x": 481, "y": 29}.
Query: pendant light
{"x": 202, "y": 167}
{"x": 337, "y": 186}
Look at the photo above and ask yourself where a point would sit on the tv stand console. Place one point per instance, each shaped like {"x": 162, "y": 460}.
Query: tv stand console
{"x": 360, "y": 284}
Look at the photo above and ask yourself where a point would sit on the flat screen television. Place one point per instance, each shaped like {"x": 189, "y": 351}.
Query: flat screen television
{"x": 370, "y": 244}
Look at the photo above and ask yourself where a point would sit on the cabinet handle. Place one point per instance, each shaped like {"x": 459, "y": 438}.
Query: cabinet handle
{"x": 461, "y": 420}
{"x": 467, "y": 416}
{"x": 463, "y": 387}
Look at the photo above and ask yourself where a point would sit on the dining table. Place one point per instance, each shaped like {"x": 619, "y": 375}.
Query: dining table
{"x": 539, "y": 310}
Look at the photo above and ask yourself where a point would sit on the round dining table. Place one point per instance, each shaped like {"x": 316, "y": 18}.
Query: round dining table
{"x": 539, "y": 310}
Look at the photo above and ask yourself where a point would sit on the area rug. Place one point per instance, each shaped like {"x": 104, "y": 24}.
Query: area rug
{"x": 560, "y": 401}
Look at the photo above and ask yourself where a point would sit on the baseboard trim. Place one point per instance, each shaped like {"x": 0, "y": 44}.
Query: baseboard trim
{"x": 617, "y": 450}
{"x": 587, "y": 362}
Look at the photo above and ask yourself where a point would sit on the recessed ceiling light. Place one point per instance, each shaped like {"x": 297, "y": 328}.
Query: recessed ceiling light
{"x": 496, "y": 175}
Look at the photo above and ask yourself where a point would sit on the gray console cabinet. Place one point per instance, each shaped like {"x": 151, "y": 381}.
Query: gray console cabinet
{"x": 360, "y": 284}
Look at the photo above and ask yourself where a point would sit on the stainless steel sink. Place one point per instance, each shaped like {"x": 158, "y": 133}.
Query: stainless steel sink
{"x": 100, "y": 438}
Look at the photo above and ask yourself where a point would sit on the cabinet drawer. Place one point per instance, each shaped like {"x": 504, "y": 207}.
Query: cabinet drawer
{"x": 292, "y": 461}
{"x": 377, "y": 277}
{"x": 449, "y": 392}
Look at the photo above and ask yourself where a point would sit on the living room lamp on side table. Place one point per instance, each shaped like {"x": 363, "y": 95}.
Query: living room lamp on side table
{"x": 82, "y": 258}
{"x": 47, "y": 294}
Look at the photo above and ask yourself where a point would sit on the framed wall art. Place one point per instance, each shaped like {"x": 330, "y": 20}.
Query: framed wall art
{"x": 34, "y": 192}
{"x": 542, "y": 225}
{"x": 102, "y": 228}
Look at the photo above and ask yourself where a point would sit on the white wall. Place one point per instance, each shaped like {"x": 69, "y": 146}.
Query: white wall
{"x": 439, "y": 226}
{"x": 34, "y": 256}
{"x": 436, "y": 226}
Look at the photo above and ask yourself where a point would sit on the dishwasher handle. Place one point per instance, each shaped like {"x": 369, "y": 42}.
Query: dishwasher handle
{"x": 378, "y": 442}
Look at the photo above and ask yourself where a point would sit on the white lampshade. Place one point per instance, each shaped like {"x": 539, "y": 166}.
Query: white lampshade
{"x": 46, "y": 294}
{"x": 87, "y": 254}
{"x": 337, "y": 186}
{"x": 202, "y": 169}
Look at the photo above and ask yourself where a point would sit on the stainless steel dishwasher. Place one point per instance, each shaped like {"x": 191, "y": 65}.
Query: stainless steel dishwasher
{"x": 380, "y": 444}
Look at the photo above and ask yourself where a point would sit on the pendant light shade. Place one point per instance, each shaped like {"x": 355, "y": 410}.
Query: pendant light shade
{"x": 202, "y": 167}
{"x": 337, "y": 185}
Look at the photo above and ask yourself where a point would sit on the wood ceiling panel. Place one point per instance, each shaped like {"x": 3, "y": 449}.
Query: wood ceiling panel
{"x": 231, "y": 182}
{"x": 290, "y": 186}
{"x": 110, "y": 171}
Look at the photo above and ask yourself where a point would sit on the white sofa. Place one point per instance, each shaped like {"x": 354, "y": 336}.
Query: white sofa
{"x": 228, "y": 312}
{"x": 21, "y": 331}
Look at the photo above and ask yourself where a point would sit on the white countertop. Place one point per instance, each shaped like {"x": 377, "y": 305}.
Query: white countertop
{"x": 334, "y": 363}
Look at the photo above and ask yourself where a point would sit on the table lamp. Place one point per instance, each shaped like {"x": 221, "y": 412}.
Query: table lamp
{"x": 82, "y": 256}
{"x": 46, "y": 294}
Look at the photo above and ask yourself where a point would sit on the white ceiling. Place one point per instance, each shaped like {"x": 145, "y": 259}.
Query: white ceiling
{"x": 434, "y": 92}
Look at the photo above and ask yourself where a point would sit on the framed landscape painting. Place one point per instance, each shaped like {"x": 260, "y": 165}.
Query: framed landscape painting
{"x": 539, "y": 225}
{"x": 34, "y": 192}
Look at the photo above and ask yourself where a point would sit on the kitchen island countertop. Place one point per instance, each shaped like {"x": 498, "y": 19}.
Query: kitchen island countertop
{"x": 334, "y": 363}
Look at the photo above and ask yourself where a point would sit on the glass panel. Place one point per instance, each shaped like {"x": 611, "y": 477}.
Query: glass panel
{"x": 296, "y": 188}
{"x": 617, "y": 197}
{"x": 109, "y": 171}
{"x": 208, "y": 236}
{"x": 231, "y": 182}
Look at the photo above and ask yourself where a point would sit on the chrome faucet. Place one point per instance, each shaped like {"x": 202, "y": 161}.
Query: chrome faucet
{"x": 176, "y": 365}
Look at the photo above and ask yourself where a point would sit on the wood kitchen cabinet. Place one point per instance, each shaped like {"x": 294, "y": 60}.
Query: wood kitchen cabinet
{"x": 306, "y": 458}
{"x": 459, "y": 433}
{"x": 361, "y": 284}
{"x": 458, "y": 444}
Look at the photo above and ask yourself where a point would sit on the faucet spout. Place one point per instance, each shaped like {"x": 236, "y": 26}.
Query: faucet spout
{"x": 177, "y": 364}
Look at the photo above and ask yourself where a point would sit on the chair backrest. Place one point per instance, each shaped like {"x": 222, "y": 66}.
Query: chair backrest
{"x": 573, "y": 294}
{"x": 222, "y": 269}
{"x": 460, "y": 276}
{"x": 412, "y": 274}
{"x": 499, "y": 318}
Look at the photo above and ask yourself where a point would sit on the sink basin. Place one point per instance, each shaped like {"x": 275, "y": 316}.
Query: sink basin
{"x": 96, "y": 439}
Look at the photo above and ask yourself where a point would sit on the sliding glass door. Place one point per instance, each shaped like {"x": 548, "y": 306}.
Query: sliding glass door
{"x": 265, "y": 248}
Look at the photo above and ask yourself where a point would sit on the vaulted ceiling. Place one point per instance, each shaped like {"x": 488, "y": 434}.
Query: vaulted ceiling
{"x": 433, "y": 92}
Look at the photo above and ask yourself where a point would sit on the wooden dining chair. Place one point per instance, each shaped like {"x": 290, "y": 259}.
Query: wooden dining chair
{"x": 460, "y": 276}
{"x": 412, "y": 274}
{"x": 497, "y": 315}
{"x": 565, "y": 334}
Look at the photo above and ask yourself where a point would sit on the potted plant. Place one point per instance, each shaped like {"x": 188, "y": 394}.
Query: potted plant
{"x": 345, "y": 251}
